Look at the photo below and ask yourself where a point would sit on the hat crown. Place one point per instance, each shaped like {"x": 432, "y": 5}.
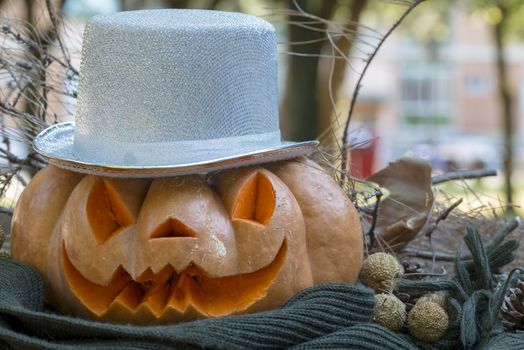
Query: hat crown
{"x": 159, "y": 76}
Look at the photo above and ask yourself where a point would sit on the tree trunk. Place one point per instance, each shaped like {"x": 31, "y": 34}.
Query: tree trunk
{"x": 507, "y": 108}
{"x": 176, "y": 4}
{"x": 129, "y": 5}
{"x": 299, "y": 108}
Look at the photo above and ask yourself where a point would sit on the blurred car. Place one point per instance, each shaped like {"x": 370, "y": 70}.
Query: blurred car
{"x": 460, "y": 152}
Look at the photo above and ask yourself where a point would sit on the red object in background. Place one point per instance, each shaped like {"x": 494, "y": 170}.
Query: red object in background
{"x": 362, "y": 159}
{"x": 362, "y": 151}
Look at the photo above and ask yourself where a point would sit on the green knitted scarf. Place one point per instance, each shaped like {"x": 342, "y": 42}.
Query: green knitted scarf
{"x": 329, "y": 316}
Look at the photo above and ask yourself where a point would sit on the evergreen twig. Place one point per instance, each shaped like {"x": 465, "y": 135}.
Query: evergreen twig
{"x": 472, "y": 291}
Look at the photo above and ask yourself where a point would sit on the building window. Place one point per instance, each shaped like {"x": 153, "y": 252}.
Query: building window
{"x": 425, "y": 101}
{"x": 478, "y": 85}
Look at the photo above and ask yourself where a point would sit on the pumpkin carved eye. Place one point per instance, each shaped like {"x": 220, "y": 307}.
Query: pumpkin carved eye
{"x": 255, "y": 200}
{"x": 106, "y": 212}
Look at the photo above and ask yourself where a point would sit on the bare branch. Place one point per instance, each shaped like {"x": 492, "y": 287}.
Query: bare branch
{"x": 361, "y": 77}
{"x": 463, "y": 175}
{"x": 443, "y": 216}
{"x": 371, "y": 231}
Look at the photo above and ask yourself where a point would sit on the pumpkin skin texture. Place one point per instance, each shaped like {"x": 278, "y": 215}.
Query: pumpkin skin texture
{"x": 296, "y": 271}
{"x": 334, "y": 238}
{"x": 181, "y": 248}
{"x": 37, "y": 211}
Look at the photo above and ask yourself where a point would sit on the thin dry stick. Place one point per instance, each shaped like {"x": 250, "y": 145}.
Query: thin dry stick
{"x": 428, "y": 274}
{"x": 424, "y": 254}
{"x": 50, "y": 72}
{"x": 510, "y": 226}
{"x": 54, "y": 22}
{"x": 361, "y": 77}
{"x": 442, "y": 216}
{"x": 371, "y": 232}
{"x": 463, "y": 175}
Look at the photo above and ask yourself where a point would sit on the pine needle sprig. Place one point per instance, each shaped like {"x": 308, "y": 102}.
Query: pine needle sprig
{"x": 473, "y": 294}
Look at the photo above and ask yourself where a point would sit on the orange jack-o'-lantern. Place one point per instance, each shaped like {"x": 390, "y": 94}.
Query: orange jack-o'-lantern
{"x": 181, "y": 248}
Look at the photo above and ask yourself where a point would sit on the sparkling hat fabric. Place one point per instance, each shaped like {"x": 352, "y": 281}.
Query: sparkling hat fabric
{"x": 171, "y": 87}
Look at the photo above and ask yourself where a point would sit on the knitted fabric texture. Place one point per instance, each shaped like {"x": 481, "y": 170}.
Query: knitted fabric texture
{"x": 329, "y": 316}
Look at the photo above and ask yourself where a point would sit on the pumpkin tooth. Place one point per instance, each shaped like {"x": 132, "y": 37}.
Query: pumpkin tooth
{"x": 148, "y": 294}
{"x": 158, "y": 301}
{"x": 179, "y": 296}
{"x": 96, "y": 298}
{"x": 130, "y": 296}
{"x": 152, "y": 282}
{"x": 215, "y": 297}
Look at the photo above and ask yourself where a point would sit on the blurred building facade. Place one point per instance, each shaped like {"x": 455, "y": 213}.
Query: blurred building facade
{"x": 440, "y": 100}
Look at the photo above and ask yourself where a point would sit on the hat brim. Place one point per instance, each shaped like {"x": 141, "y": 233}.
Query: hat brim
{"x": 56, "y": 144}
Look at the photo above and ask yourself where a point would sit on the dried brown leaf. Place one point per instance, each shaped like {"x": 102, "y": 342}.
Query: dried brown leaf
{"x": 403, "y": 213}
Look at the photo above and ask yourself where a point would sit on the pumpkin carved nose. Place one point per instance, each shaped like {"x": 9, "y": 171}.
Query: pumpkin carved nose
{"x": 172, "y": 228}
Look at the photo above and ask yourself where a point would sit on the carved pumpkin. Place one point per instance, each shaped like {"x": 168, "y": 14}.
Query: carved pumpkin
{"x": 182, "y": 248}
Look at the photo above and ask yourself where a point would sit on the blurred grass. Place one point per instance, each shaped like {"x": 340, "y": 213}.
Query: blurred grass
{"x": 487, "y": 193}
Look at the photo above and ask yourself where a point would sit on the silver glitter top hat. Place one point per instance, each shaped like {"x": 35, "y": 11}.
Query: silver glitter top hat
{"x": 168, "y": 92}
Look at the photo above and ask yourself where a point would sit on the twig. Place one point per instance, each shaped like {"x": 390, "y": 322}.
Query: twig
{"x": 371, "y": 232}
{"x": 6, "y": 179}
{"x": 463, "y": 175}
{"x": 428, "y": 274}
{"x": 361, "y": 77}
{"x": 510, "y": 226}
{"x": 6, "y": 29}
{"x": 54, "y": 22}
{"x": 37, "y": 67}
{"x": 32, "y": 159}
{"x": 45, "y": 89}
{"x": 424, "y": 254}
{"x": 442, "y": 216}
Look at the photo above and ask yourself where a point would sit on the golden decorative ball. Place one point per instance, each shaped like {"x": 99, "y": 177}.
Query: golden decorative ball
{"x": 379, "y": 271}
{"x": 389, "y": 311}
{"x": 428, "y": 321}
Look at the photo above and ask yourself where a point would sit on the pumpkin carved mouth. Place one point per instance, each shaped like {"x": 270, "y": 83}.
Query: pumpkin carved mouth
{"x": 159, "y": 253}
{"x": 168, "y": 290}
